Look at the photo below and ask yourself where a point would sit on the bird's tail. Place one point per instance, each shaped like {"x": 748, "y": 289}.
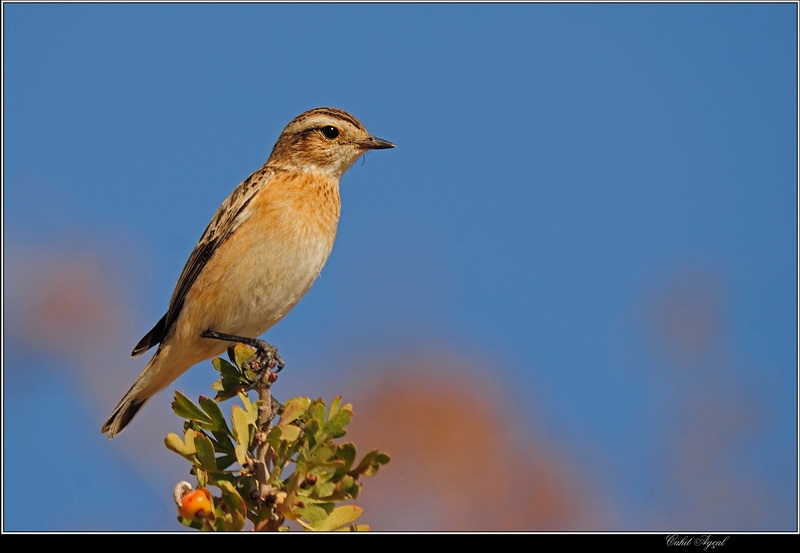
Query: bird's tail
{"x": 166, "y": 365}
{"x": 155, "y": 376}
{"x": 123, "y": 413}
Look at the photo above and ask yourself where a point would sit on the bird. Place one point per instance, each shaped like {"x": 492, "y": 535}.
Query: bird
{"x": 264, "y": 247}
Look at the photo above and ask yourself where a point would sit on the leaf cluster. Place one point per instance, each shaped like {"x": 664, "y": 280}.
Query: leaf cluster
{"x": 308, "y": 473}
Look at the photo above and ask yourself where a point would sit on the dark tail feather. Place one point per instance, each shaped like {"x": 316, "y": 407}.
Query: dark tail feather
{"x": 155, "y": 336}
{"x": 121, "y": 416}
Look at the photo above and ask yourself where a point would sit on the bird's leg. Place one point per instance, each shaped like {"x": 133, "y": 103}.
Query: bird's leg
{"x": 266, "y": 357}
{"x": 267, "y": 353}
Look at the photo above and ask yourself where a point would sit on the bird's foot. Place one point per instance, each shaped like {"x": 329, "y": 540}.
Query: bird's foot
{"x": 265, "y": 363}
{"x": 266, "y": 356}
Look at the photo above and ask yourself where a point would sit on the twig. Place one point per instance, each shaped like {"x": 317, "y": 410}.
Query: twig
{"x": 264, "y": 453}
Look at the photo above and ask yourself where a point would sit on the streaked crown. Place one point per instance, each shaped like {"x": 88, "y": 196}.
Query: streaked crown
{"x": 328, "y": 140}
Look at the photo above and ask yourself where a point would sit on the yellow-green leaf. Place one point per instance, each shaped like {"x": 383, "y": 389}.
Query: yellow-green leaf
{"x": 293, "y": 409}
{"x": 241, "y": 425}
{"x": 205, "y": 452}
{"x": 241, "y": 454}
{"x": 370, "y": 464}
{"x": 290, "y": 433}
{"x": 335, "y": 425}
{"x": 250, "y": 407}
{"x": 237, "y": 508}
{"x": 336, "y": 403}
{"x": 339, "y": 517}
{"x": 242, "y": 353}
{"x": 174, "y": 443}
{"x": 347, "y": 453}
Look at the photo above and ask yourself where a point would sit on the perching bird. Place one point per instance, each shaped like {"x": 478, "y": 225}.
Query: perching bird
{"x": 264, "y": 247}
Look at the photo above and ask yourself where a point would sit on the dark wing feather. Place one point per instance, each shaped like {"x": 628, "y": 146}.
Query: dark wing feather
{"x": 225, "y": 221}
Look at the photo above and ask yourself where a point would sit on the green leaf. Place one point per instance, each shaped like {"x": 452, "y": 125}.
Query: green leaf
{"x": 213, "y": 411}
{"x": 339, "y": 517}
{"x": 226, "y": 388}
{"x": 241, "y": 425}
{"x": 325, "y": 489}
{"x": 174, "y": 443}
{"x": 290, "y": 433}
{"x": 222, "y": 441}
{"x": 293, "y": 410}
{"x": 241, "y": 433}
{"x": 349, "y": 488}
{"x": 233, "y": 379}
{"x": 225, "y": 461}
{"x": 335, "y": 425}
{"x": 202, "y": 477}
{"x": 323, "y": 473}
{"x": 236, "y": 506}
{"x": 306, "y": 465}
{"x": 186, "y": 409}
{"x": 317, "y": 410}
{"x": 205, "y": 452}
{"x": 275, "y": 437}
{"x": 347, "y": 453}
{"x": 313, "y": 513}
{"x": 223, "y": 367}
{"x": 242, "y": 353}
{"x": 322, "y": 454}
{"x": 242, "y": 456}
{"x": 251, "y": 408}
{"x": 334, "y": 407}
{"x": 370, "y": 464}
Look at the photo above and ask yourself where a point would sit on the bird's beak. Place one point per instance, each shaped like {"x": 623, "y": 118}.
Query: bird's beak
{"x": 374, "y": 143}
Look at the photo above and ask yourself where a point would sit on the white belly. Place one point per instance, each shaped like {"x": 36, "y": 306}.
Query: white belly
{"x": 274, "y": 281}
{"x": 252, "y": 291}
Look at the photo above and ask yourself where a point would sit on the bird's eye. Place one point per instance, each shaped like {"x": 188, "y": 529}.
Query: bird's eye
{"x": 330, "y": 132}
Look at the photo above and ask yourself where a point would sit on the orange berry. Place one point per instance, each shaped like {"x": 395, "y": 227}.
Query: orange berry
{"x": 196, "y": 504}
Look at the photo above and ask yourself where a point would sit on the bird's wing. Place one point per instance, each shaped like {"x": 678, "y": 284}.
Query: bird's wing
{"x": 226, "y": 220}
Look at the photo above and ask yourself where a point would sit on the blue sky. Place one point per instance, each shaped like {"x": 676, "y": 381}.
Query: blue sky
{"x": 561, "y": 169}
